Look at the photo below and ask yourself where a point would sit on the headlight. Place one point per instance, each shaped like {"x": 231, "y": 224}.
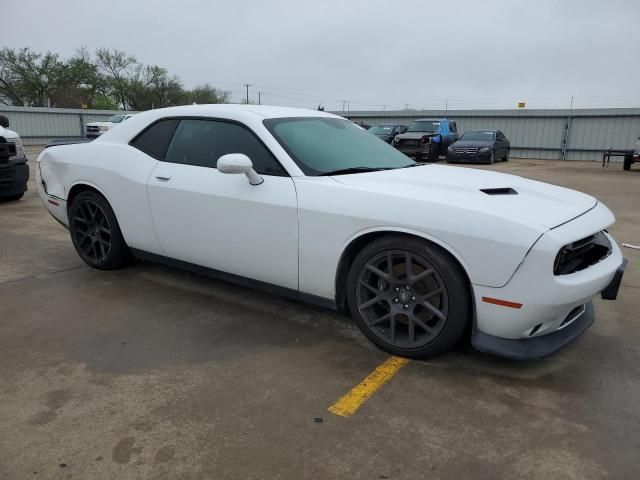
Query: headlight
{"x": 484, "y": 149}
{"x": 103, "y": 128}
{"x": 19, "y": 147}
{"x": 450, "y": 148}
{"x": 396, "y": 139}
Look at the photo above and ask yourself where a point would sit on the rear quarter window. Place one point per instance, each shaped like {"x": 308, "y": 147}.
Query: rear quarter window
{"x": 155, "y": 139}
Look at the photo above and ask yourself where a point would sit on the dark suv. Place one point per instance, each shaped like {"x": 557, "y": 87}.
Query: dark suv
{"x": 387, "y": 132}
{"x": 479, "y": 146}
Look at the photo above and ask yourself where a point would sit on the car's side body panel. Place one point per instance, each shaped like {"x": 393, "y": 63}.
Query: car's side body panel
{"x": 117, "y": 171}
{"x": 223, "y": 222}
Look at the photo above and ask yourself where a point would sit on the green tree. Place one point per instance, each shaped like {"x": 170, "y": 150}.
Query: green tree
{"x": 206, "y": 94}
{"x": 29, "y": 78}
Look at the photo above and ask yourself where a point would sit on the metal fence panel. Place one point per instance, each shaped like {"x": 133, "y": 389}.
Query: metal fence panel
{"x": 539, "y": 134}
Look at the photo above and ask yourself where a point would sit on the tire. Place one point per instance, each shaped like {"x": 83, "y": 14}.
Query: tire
{"x": 628, "y": 160}
{"x": 95, "y": 232}
{"x": 506, "y": 156}
{"x": 11, "y": 198}
{"x": 437, "y": 302}
{"x": 492, "y": 158}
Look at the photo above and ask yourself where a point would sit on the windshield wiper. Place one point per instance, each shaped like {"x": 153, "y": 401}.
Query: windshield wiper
{"x": 345, "y": 171}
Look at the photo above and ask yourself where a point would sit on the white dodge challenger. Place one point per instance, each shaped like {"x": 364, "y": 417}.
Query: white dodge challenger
{"x": 309, "y": 205}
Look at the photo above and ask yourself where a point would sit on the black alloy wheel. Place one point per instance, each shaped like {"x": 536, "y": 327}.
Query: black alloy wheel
{"x": 95, "y": 232}
{"x": 409, "y": 298}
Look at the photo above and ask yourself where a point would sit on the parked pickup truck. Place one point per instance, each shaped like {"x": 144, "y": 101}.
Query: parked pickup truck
{"x": 14, "y": 170}
{"x": 427, "y": 138}
{"x": 95, "y": 129}
{"x": 633, "y": 157}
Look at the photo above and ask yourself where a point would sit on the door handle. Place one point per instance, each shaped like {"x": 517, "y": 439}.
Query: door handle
{"x": 163, "y": 178}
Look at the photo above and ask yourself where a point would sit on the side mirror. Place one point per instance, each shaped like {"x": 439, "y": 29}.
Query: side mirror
{"x": 235, "y": 163}
{"x": 4, "y": 121}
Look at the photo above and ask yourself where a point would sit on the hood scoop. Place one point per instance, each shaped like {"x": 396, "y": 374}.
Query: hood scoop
{"x": 499, "y": 191}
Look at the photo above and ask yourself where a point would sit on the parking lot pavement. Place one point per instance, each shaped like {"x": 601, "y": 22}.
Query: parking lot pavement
{"x": 154, "y": 373}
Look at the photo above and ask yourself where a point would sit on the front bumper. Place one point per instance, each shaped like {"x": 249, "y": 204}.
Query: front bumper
{"x": 421, "y": 150}
{"x": 13, "y": 177}
{"x": 477, "y": 158}
{"x": 536, "y": 303}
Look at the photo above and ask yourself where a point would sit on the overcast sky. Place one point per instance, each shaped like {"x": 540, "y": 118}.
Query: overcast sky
{"x": 474, "y": 54}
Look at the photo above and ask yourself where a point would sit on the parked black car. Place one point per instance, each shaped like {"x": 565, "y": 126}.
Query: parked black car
{"x": 387, "y": 132}
{"x": 479, "y": 146}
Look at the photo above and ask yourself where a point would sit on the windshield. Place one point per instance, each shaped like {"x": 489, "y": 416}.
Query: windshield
{"x": 115, "y": 118}
{"x": 381, "y": 129}
{"x": 475, "y": 136}
{"x": 321, "y": 144}
{"x": 424, "y": 126}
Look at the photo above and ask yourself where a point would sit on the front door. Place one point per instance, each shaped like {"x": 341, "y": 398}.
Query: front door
{"x": 221, "y": 221}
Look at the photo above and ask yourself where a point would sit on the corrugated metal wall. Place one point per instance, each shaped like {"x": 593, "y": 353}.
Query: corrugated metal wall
{"x": 537, "y": 134}
{"x": 533, "y": 133}
{"x": 38, "y": 126}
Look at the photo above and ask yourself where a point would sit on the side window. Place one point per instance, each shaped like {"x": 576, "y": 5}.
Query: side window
{"x": 154, "y": 140}
{"x": 454, "y": 127}
{"x": 203, "y": 142}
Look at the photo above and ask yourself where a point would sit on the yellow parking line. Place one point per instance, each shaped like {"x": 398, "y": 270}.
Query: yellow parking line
{"x": 349, "y": 403}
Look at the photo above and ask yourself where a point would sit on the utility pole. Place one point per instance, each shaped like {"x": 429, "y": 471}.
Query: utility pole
{"x": 446, "y": 107}
{"x": 247, "y": 85}
{"x": 259, "y": 99}
{"x": 406, "y": 107}
{"x": 344, "y": 102}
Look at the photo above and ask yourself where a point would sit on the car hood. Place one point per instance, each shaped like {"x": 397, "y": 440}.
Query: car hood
{"x": 384, "y": 135}
{"x": 100, "y": 124}
{"x": 416, "y": 135}
{"x": 8, "y": 134}
{"x": 472, "y": 143}
{"x": 535, "y": 203}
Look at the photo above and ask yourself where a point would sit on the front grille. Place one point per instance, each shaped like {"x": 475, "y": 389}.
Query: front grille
{"x": 465, "y": 150}
{"x": 93, "y": 129}
{"x": 409, "y": 143}
{"x": 582, "y": 254}
{"x": 6, "y": 175}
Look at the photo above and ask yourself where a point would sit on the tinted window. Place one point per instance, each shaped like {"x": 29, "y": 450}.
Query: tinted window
{"x": 203, "y": 142}
{"x": 454, "y": 127}
{"x": 154, "y": 140}
{"x": 424, "y": 126}
{"x": 324, "y": 144}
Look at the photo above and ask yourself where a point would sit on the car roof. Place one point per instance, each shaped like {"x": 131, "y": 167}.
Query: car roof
{"x": 428, "y": 119}
{"x": 482, "y": 130}
{"x": 250, "y": 115}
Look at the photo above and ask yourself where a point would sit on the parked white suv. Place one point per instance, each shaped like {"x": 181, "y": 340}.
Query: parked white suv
{"x": 95, "y": 129}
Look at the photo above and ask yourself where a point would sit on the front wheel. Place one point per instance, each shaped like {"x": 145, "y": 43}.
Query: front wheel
{"x": 408, "y": 296}
{"x": 492, "y": 157}
{"x": 95, "y": 232}
{"x": 506, "y": 156}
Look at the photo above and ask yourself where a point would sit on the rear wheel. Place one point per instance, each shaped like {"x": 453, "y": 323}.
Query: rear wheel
{"x": 408, "y": 297}
{"x": 95, "y": 232}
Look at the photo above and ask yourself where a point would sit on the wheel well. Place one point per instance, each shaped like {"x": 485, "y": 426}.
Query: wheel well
{"x": 357, "y": 245}
{"x": 76, "y": 190}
